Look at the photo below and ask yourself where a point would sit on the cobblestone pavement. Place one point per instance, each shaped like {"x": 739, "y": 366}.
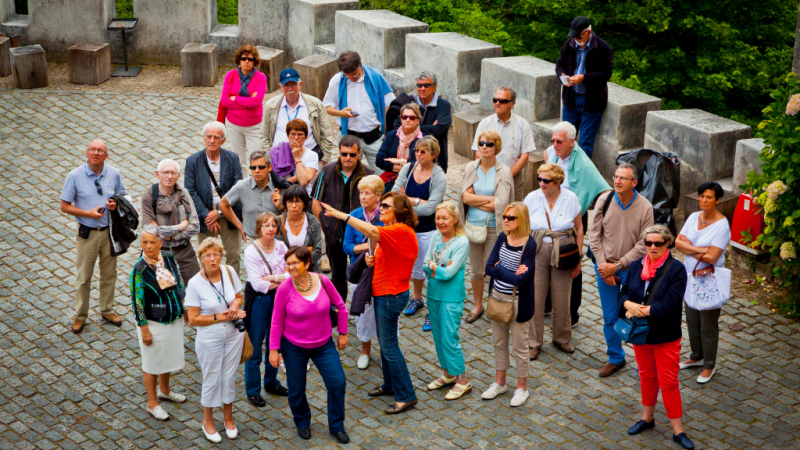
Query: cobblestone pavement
{"x": 59, "y": 390}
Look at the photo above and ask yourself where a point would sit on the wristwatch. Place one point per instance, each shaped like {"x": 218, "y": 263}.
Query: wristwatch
{"x": 416, "y": 203}
{"x": 619, "y": 266}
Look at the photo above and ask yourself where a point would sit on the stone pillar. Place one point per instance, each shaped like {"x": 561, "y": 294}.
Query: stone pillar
{"x": 538, "y": 88}
{"x": 264, "y": 22}
{"x": 796, "y": 58}
{"x": 5, "y": 56}
{"x": 165, "y": 27}
{"x": 312, "y": 23}
{"x": 273, "y": 61}
{"x": 746, "y": 160}
{"x": 465, "y": 125}
{"x": 316, "y": 72}
{"x": 58, "y": 24}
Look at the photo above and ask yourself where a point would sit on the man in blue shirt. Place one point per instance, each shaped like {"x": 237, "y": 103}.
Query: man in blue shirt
{"x": 87, "y": 196}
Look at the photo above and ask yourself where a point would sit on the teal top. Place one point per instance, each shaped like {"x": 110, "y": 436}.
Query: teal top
{"x": 484, "y": 187}
{"x": 448, "y": 284}
{"x": 585, "y": 180}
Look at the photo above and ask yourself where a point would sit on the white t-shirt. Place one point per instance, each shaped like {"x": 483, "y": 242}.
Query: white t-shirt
{"x": 215, "y": 170}
{"x": 285, "y": 114}
{"x": 718, "y": 234}
{"x": 300, "y": 239}
{"x": 310, "y": 160}
{"x": 563, "y": 163}
{"x": 562, "y": 216}
{"x": 200, "y": 293}
{"x": 358, "y": 100}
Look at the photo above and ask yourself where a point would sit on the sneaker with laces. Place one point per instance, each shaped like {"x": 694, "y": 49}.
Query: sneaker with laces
{"x": 520, "y": 395}
{"x": 427, "y": 325}
{"x": 493, "y": 391}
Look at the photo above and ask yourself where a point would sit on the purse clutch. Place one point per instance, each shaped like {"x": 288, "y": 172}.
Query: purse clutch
{"x": 476, "y": 234}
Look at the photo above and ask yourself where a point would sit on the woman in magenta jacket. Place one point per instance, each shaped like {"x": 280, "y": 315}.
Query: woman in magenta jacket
{"x": 242, "y": 95}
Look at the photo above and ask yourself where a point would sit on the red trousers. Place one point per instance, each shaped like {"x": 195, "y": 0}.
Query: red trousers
{"x": 658, "y": 367}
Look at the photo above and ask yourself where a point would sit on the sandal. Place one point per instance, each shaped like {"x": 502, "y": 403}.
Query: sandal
{"x": 413, "y": 306}
{"x": 441, "y": 382}
{"x": 465, "y": 389}
{"x": 472, "y": 317}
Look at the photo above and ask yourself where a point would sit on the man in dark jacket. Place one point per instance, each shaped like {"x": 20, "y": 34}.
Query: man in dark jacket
{"x": 337, "y": 185}
{"x": 210, "y": 173}
{"x": 436, "y": 114}
{"x": 587, "y": 61}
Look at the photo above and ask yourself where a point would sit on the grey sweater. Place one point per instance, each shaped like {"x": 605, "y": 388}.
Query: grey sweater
{"x": 437, "y": 189}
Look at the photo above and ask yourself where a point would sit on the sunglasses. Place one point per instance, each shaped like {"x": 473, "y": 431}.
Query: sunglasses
{"x": 543, "y": 180}
{"x": 386, "y": 206}
{"x": 502, "y": 101}
{"x": 97, "y": 185}
{"x": 509, "y": 218}
{"x": 261, "y": 167}
{"x": 486, "y": 144}
{"x": 658, "y": 244}
{"x": 247, "y": 59}
{"x": 349, "y": 155}
{"x": 424, "y": 85}
{"x": 558, "y": 141}
{"x": 409, "y": 117}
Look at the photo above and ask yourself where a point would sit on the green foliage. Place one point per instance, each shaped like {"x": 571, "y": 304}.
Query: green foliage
{"x": 227, "y": 10}
{"x": 778, "y": 187}
{"x": 125, "y": 9}
{"x": 722, "y": 57}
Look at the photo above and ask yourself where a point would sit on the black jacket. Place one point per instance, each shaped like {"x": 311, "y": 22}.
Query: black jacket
{"x": 598, "y": 67}
{"x": 442, "y": 115}
{"x": 667, "y": 306}
{"x": 124, "y": 222}
{"x": 389, "y": 150}
{"x": 198, "y": 183}
{"x": 328, "y": 189}
{"x": 524, "y": 282}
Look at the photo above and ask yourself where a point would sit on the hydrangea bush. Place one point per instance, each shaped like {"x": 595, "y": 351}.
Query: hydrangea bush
{"x": 777, "y": 189}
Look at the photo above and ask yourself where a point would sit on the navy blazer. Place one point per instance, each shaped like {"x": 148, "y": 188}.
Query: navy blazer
{"x": 198, "y": 183}
{"x": 441, "y": 114}
{"x": 524, "y": 282}
{"x": 389, "y": 150}
{"x": 667, "y": 306}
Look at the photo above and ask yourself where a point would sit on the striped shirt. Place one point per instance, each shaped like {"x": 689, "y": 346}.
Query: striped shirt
{"x": 509, "y": 258}
{"x": 516, "y": 135}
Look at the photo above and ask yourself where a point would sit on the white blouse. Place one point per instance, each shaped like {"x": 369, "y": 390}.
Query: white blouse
{"x": 718, "y": 234}
{"x": 300, "y": 239}
{"x": 562, "y": 216}
{"x": 200, "y": 293}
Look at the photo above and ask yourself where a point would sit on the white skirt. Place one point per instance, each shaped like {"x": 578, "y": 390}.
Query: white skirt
{"x": 165, "y": 354}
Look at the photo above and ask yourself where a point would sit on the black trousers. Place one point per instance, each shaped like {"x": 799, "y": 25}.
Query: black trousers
{"x": 576, "y": 296}
{"x": 338, "y": 260}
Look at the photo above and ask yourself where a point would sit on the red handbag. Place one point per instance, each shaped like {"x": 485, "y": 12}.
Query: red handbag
{"x": 223, "y": 111}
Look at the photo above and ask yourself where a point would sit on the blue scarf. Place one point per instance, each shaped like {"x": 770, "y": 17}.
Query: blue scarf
{"x": 585, "y": 180}
{"x": 245, "y": 81}
{"x": 377, "y": 88}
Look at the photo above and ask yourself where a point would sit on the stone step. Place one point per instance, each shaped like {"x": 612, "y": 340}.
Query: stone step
{"x": 472, "y": 99}
{"x": 726, "y": 183}
{"x": 535, "y": 81}
{"x": 311, "y": 23}
{"x": 379, "y": 36}
{"x": 325, "y": 49}
{"x": 16, "y": 27}
{"x": 465, "y": 125}
{"x": 226, "y": 38}
{"x": 397, "y": 79}
{"x": 543, "y": 132}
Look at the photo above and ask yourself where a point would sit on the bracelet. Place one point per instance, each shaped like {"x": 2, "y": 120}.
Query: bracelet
{"x": 347, "y": 220}
{"x": 215, "y": 318}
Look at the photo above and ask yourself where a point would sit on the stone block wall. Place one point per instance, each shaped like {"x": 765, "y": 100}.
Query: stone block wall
{"x": 57, "y": 24}
{"x": 535, "y": 81}
{"x": 158, "y": 38}
{"x": 746, "y": 160}
{"x": 379, "y": 36}
{"x": 312, "y": 23}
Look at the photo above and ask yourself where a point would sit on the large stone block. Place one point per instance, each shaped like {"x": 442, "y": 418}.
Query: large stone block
{"x": 746, "y": 160}
{"x": 543, "y": 132}
{"x": 378, "y": 36}
{"x": 57, "y": 24}
{"x": 705, "y": 143}
{"x": 465, "y": 125}
{"x": 30, "y": 67}
{"x": 313, "y": 23}
{"x": 316, "y": 72}
{"x": 273, "y": 61}
{"x": 5, "y": 56}
{"x": 226, "y": 38}
{"x": 529, "y": 174}
{"x": 538, "y": 88}
{"x": 264, "y": 22}
{"x": 199, "y": 65}
{"x": 89, "y": 63}
{"x": 622, "y": 126}
{"x": 166, "y": 26}
{"x": 455, "y": 59}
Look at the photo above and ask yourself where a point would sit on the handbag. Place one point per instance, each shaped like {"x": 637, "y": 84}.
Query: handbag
{"x": 247, "y": 348}
{"x": 222, "y": 111}
{"x": 709, "y": 291}
{"x": 476, "y": 233}
{"x": 634, "y": 330}
{"x": 569, "y": 255}
{"x": 500, "y": 310}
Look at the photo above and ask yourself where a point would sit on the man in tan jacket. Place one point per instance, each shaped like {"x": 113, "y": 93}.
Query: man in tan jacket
{"x": 293, "y": 104}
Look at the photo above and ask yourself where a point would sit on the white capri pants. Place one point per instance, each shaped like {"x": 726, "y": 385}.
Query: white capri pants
{"x": 366, "y": 327}
{"x": 219, "y": 349}
{"x": 244, "y": 141}
{"x": 424, "y": 241}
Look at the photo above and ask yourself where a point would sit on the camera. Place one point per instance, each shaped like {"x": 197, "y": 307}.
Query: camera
{"x": 239, "y": 324}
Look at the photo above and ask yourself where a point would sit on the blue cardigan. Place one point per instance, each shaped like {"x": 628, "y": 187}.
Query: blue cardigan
{"x": 389, "y": 150}
{"x": 353, "y": 237}
{"x": 667, "y": 306}
{"x": 448, "y": 284}
{"x": 376, "y": 87}
{"x": 524, "y": 281}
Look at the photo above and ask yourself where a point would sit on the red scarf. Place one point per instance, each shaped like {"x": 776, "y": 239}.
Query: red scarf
{"x": 649, "y": 270}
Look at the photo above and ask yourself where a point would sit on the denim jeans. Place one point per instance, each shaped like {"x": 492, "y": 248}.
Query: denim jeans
{"x": 260, "y": 322}
{"x": 395, "y": 372}
{"x": 610, "y": 305}
{"x": 586, "y": 123}
{"x": 326, "y": 360}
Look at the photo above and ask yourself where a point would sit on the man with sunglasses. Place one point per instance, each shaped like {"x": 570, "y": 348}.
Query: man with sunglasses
{"x": 436, "y": 114}
{"x": 257, "y": 194}
{"x": 87, "y": 195}
{"x": 337, "y": 185}
{"x": 587, "y": 61}
{"x": 515, "y": 134}
{"x": 616, "y": 241}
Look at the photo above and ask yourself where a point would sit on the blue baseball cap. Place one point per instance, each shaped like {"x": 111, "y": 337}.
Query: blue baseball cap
{"x": 288, "y": 75}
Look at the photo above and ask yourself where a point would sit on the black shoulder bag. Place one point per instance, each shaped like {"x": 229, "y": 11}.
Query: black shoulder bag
{"x": 237, "y": 209}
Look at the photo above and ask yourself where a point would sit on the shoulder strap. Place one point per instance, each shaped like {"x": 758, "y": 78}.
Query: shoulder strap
{"x": 283, "y": 230}
{"x": 204, "y": 158}
{"x": 654, "y": 285}
{"x": 514, "y": 293}
{"x": 548, "y": 217}
{"x": 155, "y": 194}
{"x": 608, "y": 202}
{"x": 264, "y": 258}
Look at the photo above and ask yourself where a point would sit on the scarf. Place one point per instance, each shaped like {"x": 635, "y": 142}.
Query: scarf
{"x": 245, "y": 82}
{"x": 649, "y": 269}
{"x": 164, "y": 277}
{"x": 585, "y": 180}
{"x": 370, "y": 218}
{"x": 405, "y": 141}
{"x": 376, "y": 87}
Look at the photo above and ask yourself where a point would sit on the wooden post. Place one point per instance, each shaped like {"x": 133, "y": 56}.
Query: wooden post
{"x": 89, "y": 63}
{"x": 16, "y": 41}
{"x": 5, "y": 57}
{"x": 30, "y": 67}
{"x": 316, "y": 72}
{"x": 199, "y": 64}
{"x": 273, "y": 61}
{"x": 465, "y": 125}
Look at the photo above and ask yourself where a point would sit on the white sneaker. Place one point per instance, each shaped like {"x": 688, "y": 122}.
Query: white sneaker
{"x": 231, "y": 433}
{"x": 215, "y": 438}
{"x": 694, "y": 364}
{"x": 493, "y": 391}
{"x": 363, "y": 362}
{"x": 173, "y": 396}
{"x": 158, "y": 413}
{"x": 703, "y": 380}
{"x": 520, "y": 395}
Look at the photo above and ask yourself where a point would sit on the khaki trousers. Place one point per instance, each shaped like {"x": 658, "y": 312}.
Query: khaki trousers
{"x": 560, "y": 285}
{"x": 519, "y": 340}
{"x": 231, "y": 240}
{"x": 519, "y": 195}
{"x": 87, "y": 251}
{"x": 479, "y": 253}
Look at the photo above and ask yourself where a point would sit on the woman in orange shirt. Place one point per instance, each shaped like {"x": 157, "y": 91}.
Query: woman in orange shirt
{"x": 393, "y": 260}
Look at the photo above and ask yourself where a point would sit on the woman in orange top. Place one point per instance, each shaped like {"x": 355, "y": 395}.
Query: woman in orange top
{"x": 393, "y": 260}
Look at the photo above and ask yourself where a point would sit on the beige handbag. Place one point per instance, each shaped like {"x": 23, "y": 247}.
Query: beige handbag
{"x": 476, "y": 234}
{"x": 500, "y": 310}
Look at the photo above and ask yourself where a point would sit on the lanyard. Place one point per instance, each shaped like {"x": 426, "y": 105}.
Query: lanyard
{"x": 220, "y": 296}
{"x": 296, "y": 112}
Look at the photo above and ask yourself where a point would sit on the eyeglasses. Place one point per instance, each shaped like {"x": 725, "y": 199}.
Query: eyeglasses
{"x": 509, "y": 218}
{"x": 543, "y": 180}
{"x": 353, "y": 76}
{"x": 212, "y": 256}
{"x": 558, "y": 141}
{"x": 622, "y": 178}
{"x": 658, "y": 244}
{"x": 297, "y": 135}
{"x": 99, "y": 151}
{"x": 409, "y": 117}
{"x": 259, "y": 167}
{"x": 386, "y": 206}
{"x": 348, "y": 155}
{"x": 502, "y": 101}
{"x": 424, "y": 85}
{"x": 250, "y": 59}
{"x": 486, "y": 144}
{"x": 168, "y": 173}
{"x": 294, "y": 263}
{"x": 294, "y": 201}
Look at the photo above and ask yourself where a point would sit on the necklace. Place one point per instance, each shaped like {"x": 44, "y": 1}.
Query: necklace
{"x": 702, "y": 220}
{"x": 297, "y": 286}
{"x": 266, "y": 249}
{"x": 220, "y": 295}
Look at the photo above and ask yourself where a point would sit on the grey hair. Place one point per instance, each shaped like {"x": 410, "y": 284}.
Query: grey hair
{"x": 261, "y": 154}
{"x": 510, "y": 91}
{"x": 165, "y": 162}
{"x": 426, "y": 75}
{"x": 661, "y": 230}
{"x": 568, "y": 127}
{"x": 150, "y": 229}
{"x": 214, "y": 124}
{"x": 634, "y": 170}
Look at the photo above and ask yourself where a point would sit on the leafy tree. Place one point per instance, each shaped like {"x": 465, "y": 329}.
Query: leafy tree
{"x": 227, "y": 10}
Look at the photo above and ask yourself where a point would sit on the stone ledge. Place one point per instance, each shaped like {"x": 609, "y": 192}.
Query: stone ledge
{"x": 746, "y": 159}
{"x": 538, "y": 88}
{"x": 379, "y": 36}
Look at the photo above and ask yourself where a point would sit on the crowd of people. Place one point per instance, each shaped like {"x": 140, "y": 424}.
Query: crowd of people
{"x": 375, "y": 207}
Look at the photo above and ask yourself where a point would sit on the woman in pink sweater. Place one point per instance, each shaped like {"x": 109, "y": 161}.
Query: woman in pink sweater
{"x": 301, "y": 329}
{"x": 242, "y": 95}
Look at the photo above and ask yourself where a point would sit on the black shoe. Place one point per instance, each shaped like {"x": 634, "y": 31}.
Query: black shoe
{"x": 280, "y": 391}
{"x": 304, "y": 432}
{"x": 342, "y": 437}
{"x": 683, "y": 440}
{"x": 257, "y": 401}
{"x": 378, "y": 391}
{"x": 640, "y": 426}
